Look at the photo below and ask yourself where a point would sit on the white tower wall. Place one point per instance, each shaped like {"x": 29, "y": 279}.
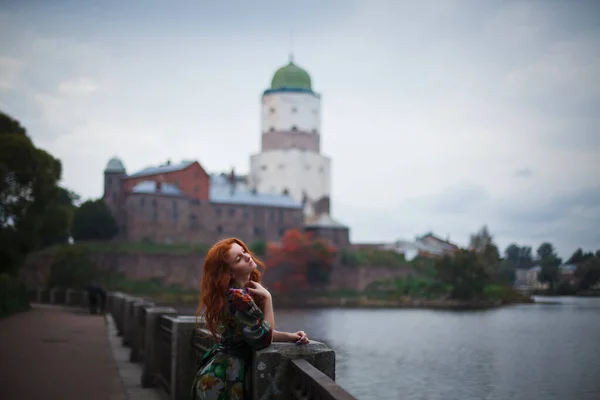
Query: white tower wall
{"x": 294, "y": 170}
{"x": 291, "y": 111}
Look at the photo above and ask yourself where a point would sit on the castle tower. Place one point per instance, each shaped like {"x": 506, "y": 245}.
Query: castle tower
{"x": 290, "y": 161}
{"x": 114, "y": 191}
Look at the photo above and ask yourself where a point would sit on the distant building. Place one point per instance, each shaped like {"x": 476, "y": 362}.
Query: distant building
{"x": 181, "y": 203}
{"x": 530, "y": 278}
{"x": 324, "y": 227}
{"x": 427, "y": 245}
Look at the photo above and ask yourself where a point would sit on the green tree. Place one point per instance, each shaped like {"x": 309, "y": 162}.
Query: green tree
{"x": 549, "y": 262}
{"x": 488, "y": 256}
{"x": 588, "y": 273}
{"x": 545, "y": 250}
{"x": 94, "y": 221}
{"x": 58, "y": 217}
{"x": 464, "y": 273}
{"x": 28, "y": 188}
{"x": 519, "y": 256}
{"x": 258, "y": 247}
{"x": 482, "y": 244}
{"x": 579, "y": 257}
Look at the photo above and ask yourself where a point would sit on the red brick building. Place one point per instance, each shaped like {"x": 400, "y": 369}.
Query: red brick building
{"x": 182, "y": 203}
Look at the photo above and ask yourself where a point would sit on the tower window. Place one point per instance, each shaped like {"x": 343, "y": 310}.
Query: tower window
{"x": 271, "y": 129}
{"x": 263, "y": 167}
{"x": 294, "y": 110}
{"x": 314, "y": 130}
{"x": 272, "y": 110}
{"x": 294, "y": 128}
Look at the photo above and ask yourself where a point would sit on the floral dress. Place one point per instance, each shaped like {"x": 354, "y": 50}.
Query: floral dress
{"x": 222, "y": 375}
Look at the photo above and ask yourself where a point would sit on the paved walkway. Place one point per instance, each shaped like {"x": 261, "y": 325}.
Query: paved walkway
{"x": 54, "y": 352}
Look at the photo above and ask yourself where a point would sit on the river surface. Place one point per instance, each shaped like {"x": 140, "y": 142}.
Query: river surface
{"x": 544, "y": 351}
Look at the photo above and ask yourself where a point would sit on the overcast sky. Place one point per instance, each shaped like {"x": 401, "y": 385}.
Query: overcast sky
{"x": 438, "y": 115}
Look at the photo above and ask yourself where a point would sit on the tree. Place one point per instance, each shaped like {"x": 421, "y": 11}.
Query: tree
{"x": 519, "y": 256}
{"x": 579, "y": 257}
{"x": 549, "y": 262}
{"x": 302, "y": 260}
{"x": 588, "y": 273}
{"x": 483, "y": 246}
{"x": 94, "y": 221}
{"x": 464, "y": 273}
{"x": 258, "y": 247}
{"x": 545, "y": 250}
{"x": 58, "y": 217}
{"x": 28, "y": 188}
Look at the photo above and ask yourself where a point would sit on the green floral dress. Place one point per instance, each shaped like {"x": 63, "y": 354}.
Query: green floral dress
{"x": 222, "y": 375}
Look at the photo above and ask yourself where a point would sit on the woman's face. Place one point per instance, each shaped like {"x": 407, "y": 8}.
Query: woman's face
{"x": 240, "y": 262}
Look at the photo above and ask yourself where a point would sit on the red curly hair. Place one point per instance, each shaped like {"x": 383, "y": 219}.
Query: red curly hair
{"x": 216, "y": 278}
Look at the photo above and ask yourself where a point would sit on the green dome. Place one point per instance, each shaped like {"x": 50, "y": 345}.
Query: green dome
{"x": 291, "y": 76}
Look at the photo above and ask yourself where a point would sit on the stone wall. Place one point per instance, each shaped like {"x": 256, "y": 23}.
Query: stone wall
{"x": 186, "y": 270}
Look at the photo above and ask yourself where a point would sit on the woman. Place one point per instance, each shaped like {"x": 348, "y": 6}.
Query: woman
{"x": 238, "y": 311}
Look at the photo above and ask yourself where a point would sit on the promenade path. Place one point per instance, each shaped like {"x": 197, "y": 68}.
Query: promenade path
{"x": 54, "y": 352}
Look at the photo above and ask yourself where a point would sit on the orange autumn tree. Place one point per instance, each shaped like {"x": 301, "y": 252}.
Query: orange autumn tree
{"x": 301, "y": 261}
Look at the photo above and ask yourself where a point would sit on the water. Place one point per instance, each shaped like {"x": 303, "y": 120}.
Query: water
{"x": 545, "y": 351}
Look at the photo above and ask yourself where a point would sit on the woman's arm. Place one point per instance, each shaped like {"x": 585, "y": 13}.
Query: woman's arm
{"x": 283, "y": 337}
{"x": 268, "y": 311}
{"x": 297, "y": 337}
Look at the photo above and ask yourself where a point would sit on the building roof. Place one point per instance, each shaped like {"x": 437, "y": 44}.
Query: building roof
{"x": 162, "y": 169}
{"x": 151, "y": 187}
{"x": 115, "y": 165}
{"x": 291, "y": 76}
{"x": 221, "y": 192}
{"x": 323, "y": 221}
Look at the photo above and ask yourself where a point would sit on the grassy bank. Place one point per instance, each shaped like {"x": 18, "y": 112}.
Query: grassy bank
{"x": 134, "y": 247}
{"x": 155, "y": 290}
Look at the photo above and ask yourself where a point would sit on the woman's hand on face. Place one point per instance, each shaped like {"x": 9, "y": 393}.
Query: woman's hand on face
{"x": 257, "y": 289}
{"x": 300, "y": 337}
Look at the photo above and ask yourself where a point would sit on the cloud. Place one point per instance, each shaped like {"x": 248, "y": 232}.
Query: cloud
{"x": 79, "y": 86}
{"x": 10, "y": 69}
{"x": 523, "y": 173}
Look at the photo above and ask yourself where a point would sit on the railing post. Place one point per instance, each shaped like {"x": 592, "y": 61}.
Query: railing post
{"x": 151, "y": 366}
{"x": 183, "y": 357}
{"x": 138, "y": 329}
{"x": 128, "y": 320}
{"x": 75, "y": 297}
{"x": 57, "y": 296}
{"x": 42, "y": 296}
{"x": 270, "y": 367}
{"x": 119, "y": 307}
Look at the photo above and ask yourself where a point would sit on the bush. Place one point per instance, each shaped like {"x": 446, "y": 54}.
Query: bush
{"x": 259, "y": 247}
{"x": 13, "y": 295}
{"x": 72, "y": 268}
{"x": 504, "y": 293}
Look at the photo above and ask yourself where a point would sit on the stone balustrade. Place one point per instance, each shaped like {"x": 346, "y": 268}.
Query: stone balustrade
{"x": 169, "y": 347}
